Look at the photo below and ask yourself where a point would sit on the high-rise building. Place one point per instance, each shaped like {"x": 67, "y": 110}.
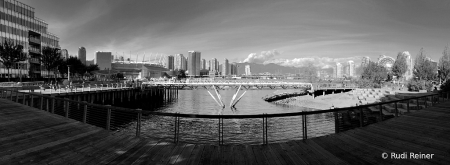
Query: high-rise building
{"x": 203, "y": 64}
{"x": 82, "y": 55}
{"x": 194, "y": 63}
{"x": 64, "y": 54}
{"x": 365, "y": 61}
{"x": 103, "y": 60}
{"x": 234, "y": 69}
{"x": 180, "y": 62}
{"x": 351, "y": 68}
{"x": 214, "y": 65}
{"x": 225, "y": 68}
{"x": 170, "y": 61}
{"x": 409, "y": 65}
{"x": 338, "y": 70}
{"x": 20, "y": 26}
{"x": 248, "y": 72}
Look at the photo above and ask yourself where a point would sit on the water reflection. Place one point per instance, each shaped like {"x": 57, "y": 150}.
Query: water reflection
{"x": 194, "y": 130}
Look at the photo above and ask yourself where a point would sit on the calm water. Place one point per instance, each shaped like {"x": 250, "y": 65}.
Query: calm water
{"x": 195, "y": 130}
{"x": 200, "y": 102}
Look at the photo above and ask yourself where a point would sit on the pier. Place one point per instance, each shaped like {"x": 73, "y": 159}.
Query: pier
{"x": 31, "y": 135}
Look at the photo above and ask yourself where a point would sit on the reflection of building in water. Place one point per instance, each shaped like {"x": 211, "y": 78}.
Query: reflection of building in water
{"x": 386, "y": 61}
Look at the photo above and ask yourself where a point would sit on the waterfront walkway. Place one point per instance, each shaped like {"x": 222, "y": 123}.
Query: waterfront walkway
{"x": 31, "y": 136}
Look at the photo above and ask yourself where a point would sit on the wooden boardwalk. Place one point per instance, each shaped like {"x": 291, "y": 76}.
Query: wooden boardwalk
{"x": 31, "y": 136}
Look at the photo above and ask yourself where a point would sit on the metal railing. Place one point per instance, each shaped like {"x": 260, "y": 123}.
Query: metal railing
{"x": 198, "y": 127}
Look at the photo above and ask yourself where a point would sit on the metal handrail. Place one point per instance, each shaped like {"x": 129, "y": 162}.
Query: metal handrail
{"x": 233, "y": 116}
{"x": 66, "y": 102}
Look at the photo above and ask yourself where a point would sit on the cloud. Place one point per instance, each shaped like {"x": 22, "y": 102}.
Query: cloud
{"x": 321, "y": 62}
{"x": 261, "y": 58}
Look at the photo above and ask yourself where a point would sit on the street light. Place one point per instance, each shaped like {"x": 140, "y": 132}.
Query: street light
{"x": 68, "y": 73}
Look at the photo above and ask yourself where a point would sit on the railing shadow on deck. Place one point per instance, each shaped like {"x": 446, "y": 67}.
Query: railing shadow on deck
{"x": 260, "y": 128}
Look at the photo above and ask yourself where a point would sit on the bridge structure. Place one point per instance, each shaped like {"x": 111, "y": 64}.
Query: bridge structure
{"x": 232, "y": 84}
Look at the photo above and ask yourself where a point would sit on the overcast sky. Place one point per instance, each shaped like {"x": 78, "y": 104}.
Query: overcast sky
{"x": 274, "y": 30}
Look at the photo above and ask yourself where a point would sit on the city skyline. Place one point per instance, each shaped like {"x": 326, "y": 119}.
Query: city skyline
{"x": 284, "y": 32}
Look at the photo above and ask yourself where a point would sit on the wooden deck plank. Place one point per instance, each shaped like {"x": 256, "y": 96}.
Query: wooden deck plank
{"x": 139, "y": 153}
{"x": 397, "y": 145}
{"x": 250, "y": 156}
{"x": 411, "y": 137}
{"x": 280, "y": 153}
{"x": 196, "y": 154}
{"x": 31, "y": 136}
{"x": 226, "y": 155}
{"x": 152, "y": 152}
{"x": 296, "y": 159}
{"x": 52, "y": 152}
{"x": 376, "y": 149}
{"x": 176, "y": 152}
{"x": 324, "y": 153}
{"x": 100, "y": 148}
{"x": 271, "y": 157}
{"x": 239, "y": 155}
{"x": 184, "y": 156}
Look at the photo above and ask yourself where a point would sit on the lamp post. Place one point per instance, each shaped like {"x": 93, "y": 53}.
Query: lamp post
{"x": 68, "y": 73}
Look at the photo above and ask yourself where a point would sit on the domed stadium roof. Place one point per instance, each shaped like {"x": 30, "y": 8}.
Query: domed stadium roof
{"x": 386, "y": 61}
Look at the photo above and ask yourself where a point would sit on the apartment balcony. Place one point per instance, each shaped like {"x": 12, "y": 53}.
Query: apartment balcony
{"x": 35, "y": 51}
{"x": 34, "y": 60}
{"x": 35, "y": 41}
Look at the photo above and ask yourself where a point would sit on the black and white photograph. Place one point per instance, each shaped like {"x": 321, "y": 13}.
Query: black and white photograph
{"x": 187, "y": 82}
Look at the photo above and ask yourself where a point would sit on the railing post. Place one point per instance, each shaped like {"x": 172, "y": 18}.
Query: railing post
{"x": 31, "y": 102}
{"x": 53, "y": 105}
{"x": 267, "y": 132}
{"x": 264, "y": 129}
{"x": 108, "y": 119}
{"x": 381, "y": 112}
{"x": 336, "y": 122}
{"x": 425, "y": 98}
{"x": 85, "y": 112}
{"x": 418, "y": 107}
{"x": 407, "y": 106}
{"x": 175, "y": 130}
{"x": 42, "y": 102}
{"x": 305, "y": 127}
{"x": 138, "y": 126}
{"x": 66, "y": 106}
{"x": 361, "y": 117}
{"x": 396, "y": 110}
{"x": 17, "y": 96}
{"x": 23, "y": 98}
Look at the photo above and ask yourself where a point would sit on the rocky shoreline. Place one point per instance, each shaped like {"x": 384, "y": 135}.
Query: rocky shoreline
{"x": 339, "y": 100}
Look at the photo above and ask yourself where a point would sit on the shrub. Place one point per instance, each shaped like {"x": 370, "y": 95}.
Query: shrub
{"x": 416, "y": 85}
{"x": 445, "y": 87}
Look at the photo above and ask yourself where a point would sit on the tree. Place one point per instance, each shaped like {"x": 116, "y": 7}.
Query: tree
{"x": 10, "y": 54}
{"x": 76, "y": 66}
{"x": 51, "y": 58}
{"x": 310, "y": 71}
{"x": 91, "y": 68}
{"x": 375, "y": 73}
{"x": 400, "y": 67}
{"x": 444, "y": 65}
{"x": 181, "y": 74}
{"x": 424, "y": 69}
